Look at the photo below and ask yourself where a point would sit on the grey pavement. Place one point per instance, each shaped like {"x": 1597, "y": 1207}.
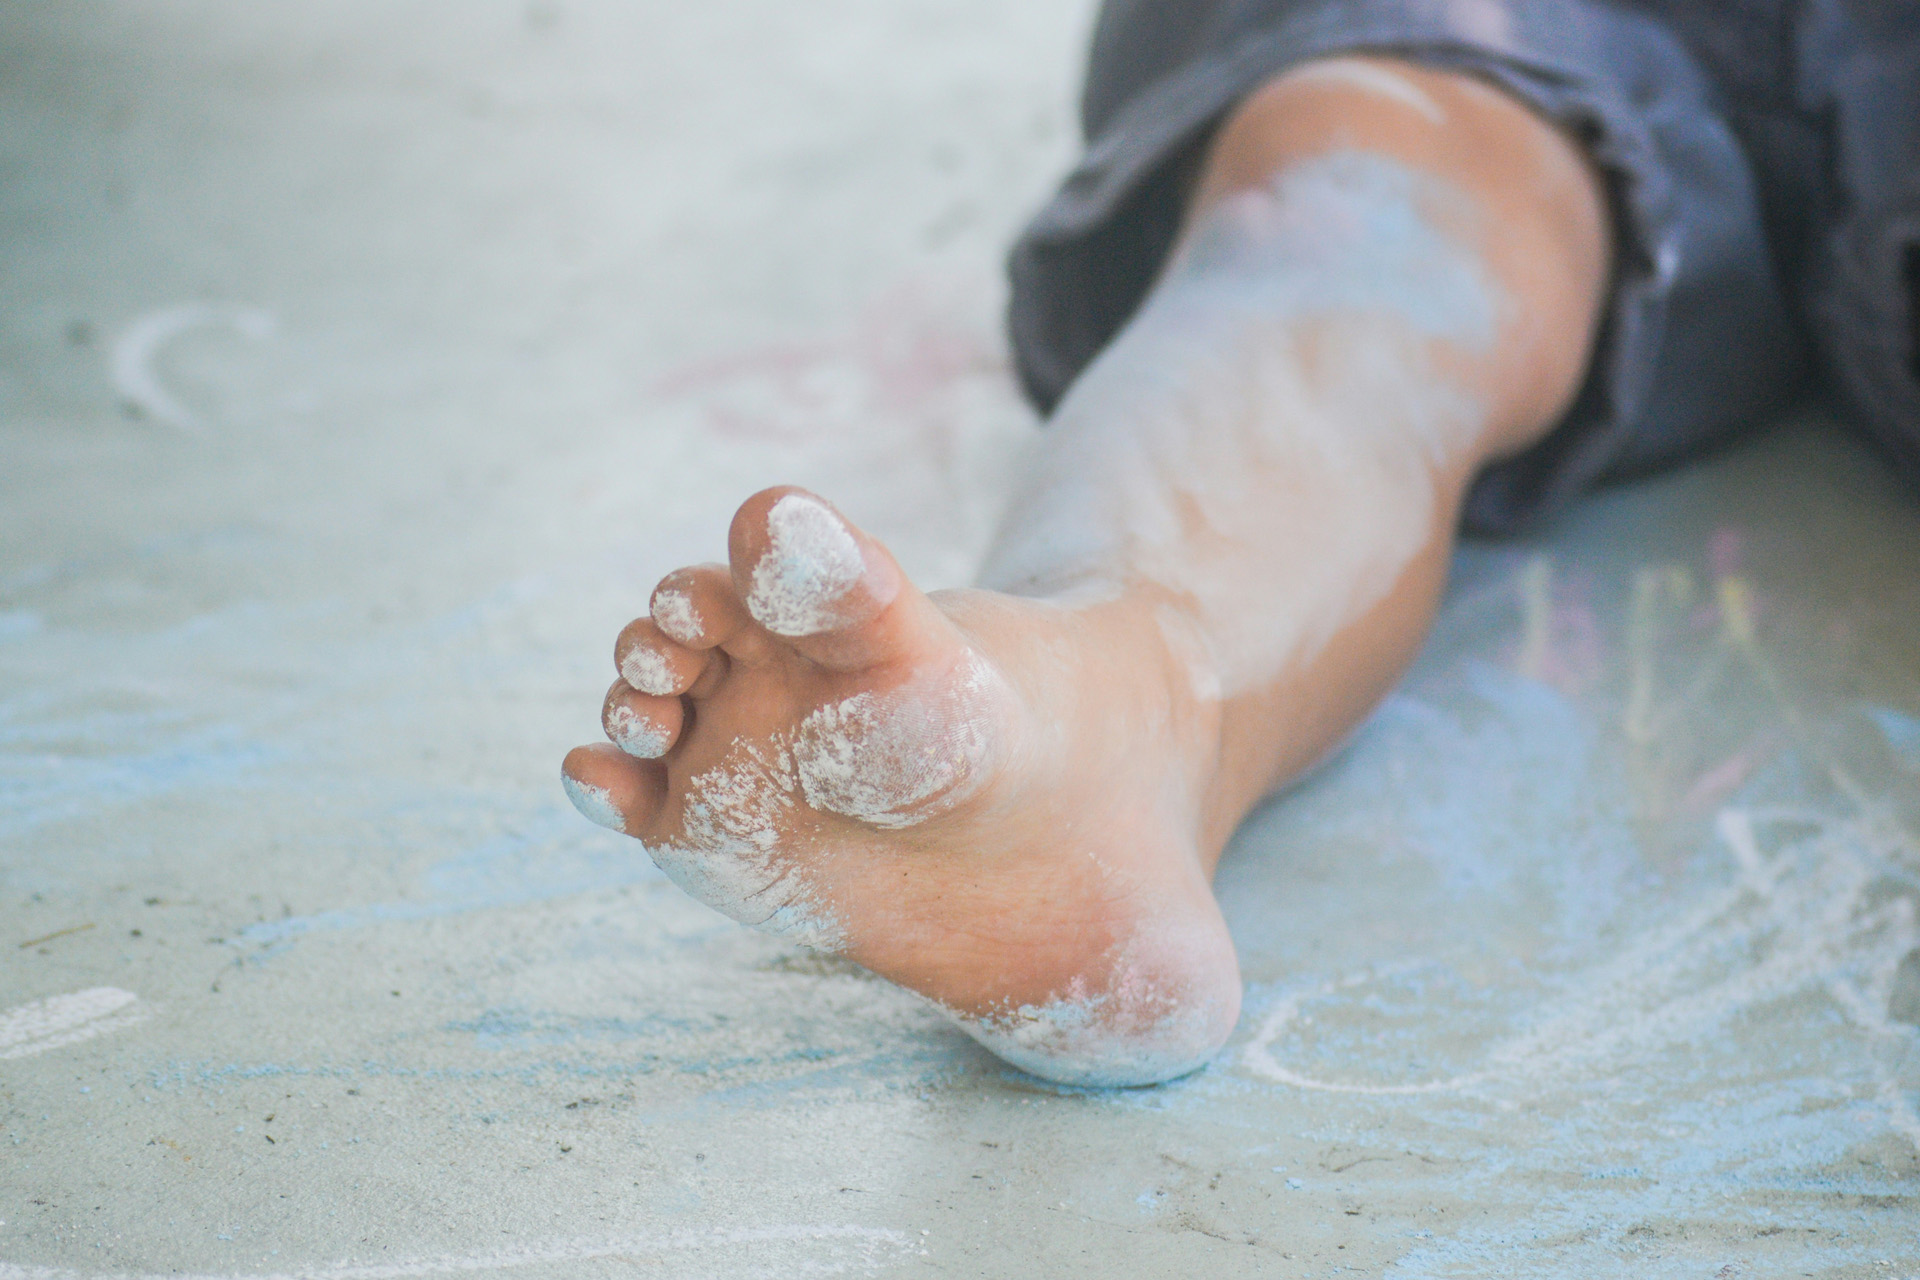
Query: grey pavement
{"x": 361, "y": 367}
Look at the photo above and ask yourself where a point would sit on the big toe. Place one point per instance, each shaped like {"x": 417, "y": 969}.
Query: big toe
{"x": 803, "y": 569}
{"x": 810, "y": 576}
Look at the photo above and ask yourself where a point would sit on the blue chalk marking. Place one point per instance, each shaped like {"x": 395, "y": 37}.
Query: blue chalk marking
{"x": 1350, "y": 231}
{"x": 552, "y": 857}
{"x": 1501, "y": 791}
{"x": 57, "y": 784}
{"x": 891, "y": 1069}
{"x": 1902, "y": 732}
{"x": 506, "y": 1029}
{"x": 42, "y": 575}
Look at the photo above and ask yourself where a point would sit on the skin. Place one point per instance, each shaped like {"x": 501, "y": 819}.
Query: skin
{"x": 1094, "y": 767}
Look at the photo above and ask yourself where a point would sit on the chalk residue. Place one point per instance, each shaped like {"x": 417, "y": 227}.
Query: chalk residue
{"x": 751, "y": 1253}
{"x": 1809, "y": 918}
{"x": 636, "y": 735}
{"x": 1139, "y": 1028}
{"x": 1276, "y": 414}
{"x": 895, "y": 759}
{"x": 811, "y": 562}
{"x": 1901, "y": 731}
{"x": 736, "y": 818}
{"x": 752, "y": 844}
{"x": 58, "y": 1021}
{"x": 594, "y": 803}
{"x": 674, "y": 614}
{"x": 648, "y": 671}
{"x": 1073, "y": 1041}
{"x": 131, "y": 364}
{"x": 1369, "y": 77}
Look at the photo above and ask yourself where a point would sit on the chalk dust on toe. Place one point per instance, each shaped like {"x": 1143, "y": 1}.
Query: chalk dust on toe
{"x": 811, "y": 562}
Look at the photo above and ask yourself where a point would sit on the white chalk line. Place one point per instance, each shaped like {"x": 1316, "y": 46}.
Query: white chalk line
{"x": 59, "y": 1021}
{"x": 1258, "y": 1057}
{"x": 866, "y": 1248}
{"x": 1352, "y": 73}
{"x": 1653, "y": 995}
{"x": 131, "y": 363}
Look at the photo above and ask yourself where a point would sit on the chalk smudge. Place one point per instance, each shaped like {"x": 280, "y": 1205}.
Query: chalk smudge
{"x": 1804, "y": 919}
{"x": 1901, "y": 731}
{"x": 674, "y": 614}
{"x": 895, "y": 759}
{"x": 810, "y": 564}
{"x": 544, "y": 858}
{"x": 735, "y": 819}
{"x": 1536, "y": 628}
{"x": 1141, "y": 1029}
{"x": 16, "y": 623}
{"x": 594, "y": 803}
{"x": 1657, "y": 593}
{"x": 636, "y": 735}
{"x": 131, "y": 364}
{"x": 648, "y": 671}
{"x": 1352, "y": 73}
{"x": 1295, "y": 334}
{"x": 58, "y": 1021}
{"x": 750, "y": 844}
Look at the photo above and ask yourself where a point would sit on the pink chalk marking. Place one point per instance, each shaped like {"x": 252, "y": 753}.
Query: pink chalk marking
{"x": 1726, "y": 550}
{"x": 900, "y": 360}
{"x": 1713, "y": 787}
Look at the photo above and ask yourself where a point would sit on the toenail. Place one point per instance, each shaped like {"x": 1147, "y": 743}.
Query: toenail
{"x": 674, "y": 614}
{"x": 811, "y": 562}
{"x": 636, "y": 735}
{"x": 647, "y": 669}
{"x": 594, "y": 803}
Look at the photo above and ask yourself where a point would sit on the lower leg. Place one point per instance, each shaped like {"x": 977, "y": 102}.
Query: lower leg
{"x": 1011, "y": 799}
{"x": 1389, "y": 277}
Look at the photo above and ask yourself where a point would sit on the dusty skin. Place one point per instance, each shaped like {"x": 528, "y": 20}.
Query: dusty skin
{"x": 1012, "y": 801}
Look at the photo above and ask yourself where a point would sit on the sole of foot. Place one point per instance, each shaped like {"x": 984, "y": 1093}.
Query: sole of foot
{"x": 990, "y": 800}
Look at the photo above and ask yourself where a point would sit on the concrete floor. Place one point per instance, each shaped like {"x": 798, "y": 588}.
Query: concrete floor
{"x": 362, "y": 365}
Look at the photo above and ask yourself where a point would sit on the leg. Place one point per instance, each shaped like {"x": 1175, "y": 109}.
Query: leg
{"x": 1012, "y": 799}
{"x": 1390, "y": 277}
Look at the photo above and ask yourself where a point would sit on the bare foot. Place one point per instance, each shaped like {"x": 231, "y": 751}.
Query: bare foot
{"x": 996, "y": 802}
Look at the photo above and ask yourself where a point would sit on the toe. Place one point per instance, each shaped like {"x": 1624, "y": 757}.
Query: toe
{"x": 696, "y": 606}
{"x": 641, "y": 725}
{"x": 803, "y": 569}
{"x": 834, "y": 594}
{"x": 612, "y": 788}
{"x": 652, "y": 663}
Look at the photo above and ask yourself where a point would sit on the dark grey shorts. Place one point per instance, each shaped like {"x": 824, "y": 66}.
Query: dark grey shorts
{"x": 1762, "y": 160}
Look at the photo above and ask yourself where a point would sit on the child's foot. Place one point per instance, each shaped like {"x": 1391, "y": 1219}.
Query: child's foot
{"x": 994, "y": 801}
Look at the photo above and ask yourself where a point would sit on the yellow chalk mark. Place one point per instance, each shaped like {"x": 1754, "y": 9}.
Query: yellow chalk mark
{"x": 1739, "y": 631}
{"x": 1655, "y": 589}
{"x": 1536, "y": 615}
{"x": 1736, "y": 610}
